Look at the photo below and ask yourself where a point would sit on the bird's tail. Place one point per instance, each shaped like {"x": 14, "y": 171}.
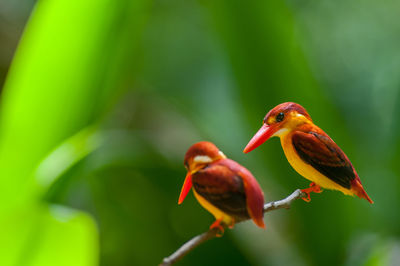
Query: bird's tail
{"x": 358, "y": 189}
{"x": 259, "y": 222}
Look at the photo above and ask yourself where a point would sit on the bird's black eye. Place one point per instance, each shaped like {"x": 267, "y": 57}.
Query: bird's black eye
{"x": 280, "y": 117}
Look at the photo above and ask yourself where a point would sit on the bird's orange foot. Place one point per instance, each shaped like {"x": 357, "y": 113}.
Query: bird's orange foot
{"x": 313, "y": 188}
{"x": 232, "y": 224}
{"x": 221, "y": 228}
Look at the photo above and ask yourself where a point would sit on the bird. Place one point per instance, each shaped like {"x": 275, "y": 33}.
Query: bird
{"x": 222, "y": 186}
{"x": 309, "y": 150}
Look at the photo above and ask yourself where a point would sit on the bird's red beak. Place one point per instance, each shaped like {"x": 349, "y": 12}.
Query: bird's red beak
{"x": 264, "y": 133}
{"x": 187, "y": 185}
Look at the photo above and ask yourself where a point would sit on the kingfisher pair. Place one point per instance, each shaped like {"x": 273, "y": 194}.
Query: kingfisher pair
{"x": 231, "y": 193}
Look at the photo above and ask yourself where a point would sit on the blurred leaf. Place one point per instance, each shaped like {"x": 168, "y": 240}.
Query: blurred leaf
{"x": 54, "y": 85}
{"x": 62, "y": 79}
{"x": 67, "y": 155}
{"x": 63, "y": 237}
{"x": 48, "y": 236}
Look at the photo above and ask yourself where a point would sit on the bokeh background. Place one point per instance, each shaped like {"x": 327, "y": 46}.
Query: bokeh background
{"x": 101, "y": 99}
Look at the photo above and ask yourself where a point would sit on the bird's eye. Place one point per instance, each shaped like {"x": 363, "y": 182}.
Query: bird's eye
{"x": 280, "y": 117}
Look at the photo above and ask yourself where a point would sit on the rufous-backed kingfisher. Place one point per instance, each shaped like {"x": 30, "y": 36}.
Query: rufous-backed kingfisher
{"x": 222, "y": 186}
{"x": 310, "y": 151}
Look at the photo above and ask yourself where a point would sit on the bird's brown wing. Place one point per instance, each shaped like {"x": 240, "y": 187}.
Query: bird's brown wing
{"x": 223, "y": 188}
{"x": 322, "y": 153}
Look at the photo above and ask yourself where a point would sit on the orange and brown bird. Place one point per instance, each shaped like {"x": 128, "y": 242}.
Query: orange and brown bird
{"x": 310, "y": 151}
{"x": 222, "y": 186}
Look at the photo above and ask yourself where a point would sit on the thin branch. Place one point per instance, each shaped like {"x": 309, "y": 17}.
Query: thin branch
{"x": 285, "y": 203}
{"x": 197, "y": 240}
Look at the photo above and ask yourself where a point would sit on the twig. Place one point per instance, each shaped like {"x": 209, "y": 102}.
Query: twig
{"x": 285, "y": 203}
{"x": 197, "y": 240}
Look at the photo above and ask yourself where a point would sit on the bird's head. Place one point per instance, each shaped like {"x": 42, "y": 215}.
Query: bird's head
{"x": 198, "y": 156}
{"x": 278, "y": 122}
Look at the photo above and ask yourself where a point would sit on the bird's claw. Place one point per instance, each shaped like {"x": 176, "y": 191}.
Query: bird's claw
{"x": 221, "y": 228}
{"x": 307, "y": 198}
{"x": 313, "y": 188}
{"x": 232, "y": 224}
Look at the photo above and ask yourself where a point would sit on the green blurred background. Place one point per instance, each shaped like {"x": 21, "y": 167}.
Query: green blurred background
{"x": 101, "y": 99}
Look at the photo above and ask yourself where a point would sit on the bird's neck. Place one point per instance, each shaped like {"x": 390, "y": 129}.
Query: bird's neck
{"x": 291, "y": 126}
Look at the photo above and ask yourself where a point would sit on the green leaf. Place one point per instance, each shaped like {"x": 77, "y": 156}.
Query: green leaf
{"x": 53, "y": 235}
{"x": 65, "y": 74}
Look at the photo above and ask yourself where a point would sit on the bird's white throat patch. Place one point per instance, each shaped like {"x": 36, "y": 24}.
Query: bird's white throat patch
{"x": 202, "y": 159}
{"x": 300, "y": 115}
{"x": 281, "y": 132}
